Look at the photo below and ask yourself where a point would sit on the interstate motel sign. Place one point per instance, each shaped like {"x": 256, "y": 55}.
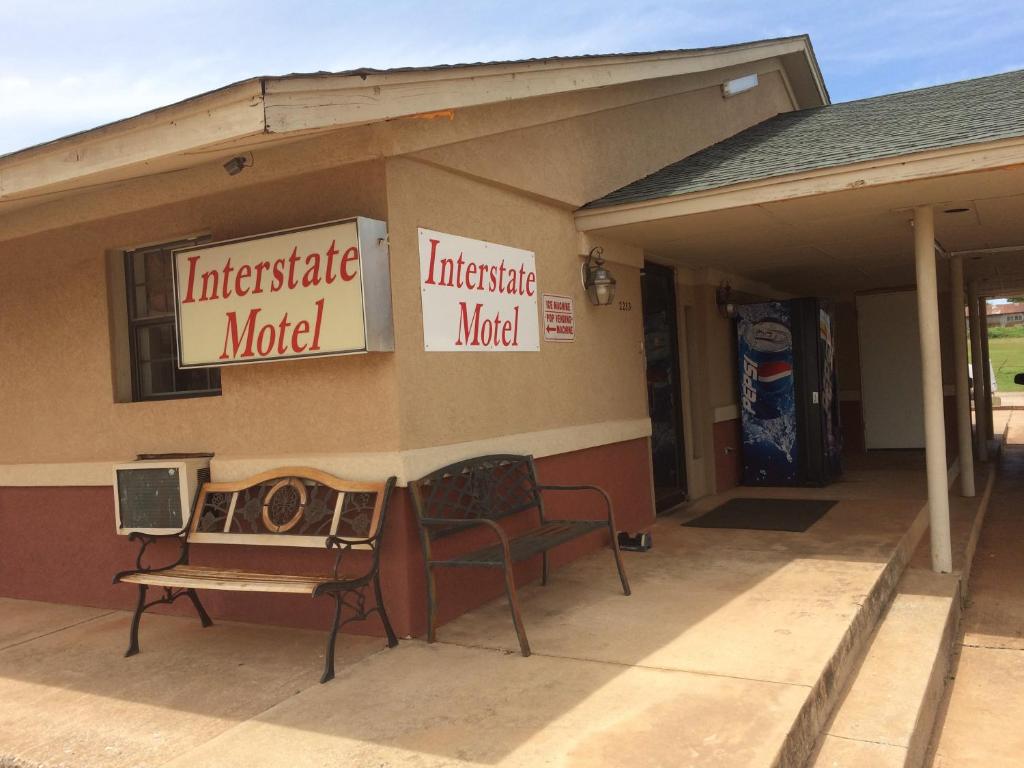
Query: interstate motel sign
{"x": 307, "y": 292}
{"x": 477, "y": 296}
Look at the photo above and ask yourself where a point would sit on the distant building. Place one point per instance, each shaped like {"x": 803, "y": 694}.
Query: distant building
{"x": 1005, "y": 315}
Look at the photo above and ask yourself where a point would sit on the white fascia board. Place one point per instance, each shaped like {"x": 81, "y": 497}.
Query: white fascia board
{"x": 105, "y": 153}
{"x": 303, "y": 103}
{"x": 186, "y": 133}
{"x": 891, "y": 170}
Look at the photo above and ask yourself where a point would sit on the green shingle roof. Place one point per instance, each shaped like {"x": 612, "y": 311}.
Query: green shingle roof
{"x": 942, "y": 116}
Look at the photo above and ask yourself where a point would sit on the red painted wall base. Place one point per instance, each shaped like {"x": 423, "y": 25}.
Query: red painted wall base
{"x": 59, "y": 546}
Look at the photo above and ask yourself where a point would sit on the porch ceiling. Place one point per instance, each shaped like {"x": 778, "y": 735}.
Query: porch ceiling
{"x": 840, "y": 242}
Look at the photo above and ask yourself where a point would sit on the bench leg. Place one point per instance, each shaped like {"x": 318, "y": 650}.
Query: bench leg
{"x": 618, "y": 564}
{"x": 133, "y": 637}
{"x": 544, "y": 570}
{"x": 513, "y": 604}
{"x": 392, "y": 640}
{"x": 204, "y": 617}
{"x": 329, "y": 653}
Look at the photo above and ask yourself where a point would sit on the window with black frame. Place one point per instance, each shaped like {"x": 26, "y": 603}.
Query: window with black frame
{"x": 151, "y": 335}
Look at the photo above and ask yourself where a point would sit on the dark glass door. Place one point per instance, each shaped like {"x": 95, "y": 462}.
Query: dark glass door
{"x": 664, "y": 390}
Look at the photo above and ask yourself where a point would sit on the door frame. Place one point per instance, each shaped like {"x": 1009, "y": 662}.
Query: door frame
{"x": 680, "y": 393}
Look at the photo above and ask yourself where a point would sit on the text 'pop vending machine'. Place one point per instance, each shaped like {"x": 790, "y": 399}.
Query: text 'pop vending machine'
{"x": 789, "y": 405}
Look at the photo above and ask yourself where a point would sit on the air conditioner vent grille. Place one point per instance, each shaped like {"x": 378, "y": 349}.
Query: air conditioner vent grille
{"x": 150, "y": 498}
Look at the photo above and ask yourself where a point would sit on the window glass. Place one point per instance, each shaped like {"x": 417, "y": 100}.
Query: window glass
{"x": 152, "y": 337}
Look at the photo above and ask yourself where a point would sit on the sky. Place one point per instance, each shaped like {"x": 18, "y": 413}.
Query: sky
{"x": 70, "y": 66}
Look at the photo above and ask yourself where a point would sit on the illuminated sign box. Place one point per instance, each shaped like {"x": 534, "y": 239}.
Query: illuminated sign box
{"x": 307, "y": 292}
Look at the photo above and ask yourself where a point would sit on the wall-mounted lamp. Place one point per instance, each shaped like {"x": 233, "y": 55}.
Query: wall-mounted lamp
{"x": 235, "y": 165}
{"x": 597, "y": 280}
{"x": 723, "y": 298}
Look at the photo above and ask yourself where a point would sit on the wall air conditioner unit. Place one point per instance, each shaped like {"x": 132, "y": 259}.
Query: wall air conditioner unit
{"x": 156, "y": 494}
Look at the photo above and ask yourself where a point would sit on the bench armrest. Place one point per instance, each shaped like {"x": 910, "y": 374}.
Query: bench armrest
{"x": 149, "y": 538}
{"x": 604, "y": 494}
{"x": 343, "y": 545}
{"x": 345, "y": 542}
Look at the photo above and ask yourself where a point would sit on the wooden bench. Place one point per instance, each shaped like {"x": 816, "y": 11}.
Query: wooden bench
{"x": 479, "y": 492}
{"x": 293, "y": 506}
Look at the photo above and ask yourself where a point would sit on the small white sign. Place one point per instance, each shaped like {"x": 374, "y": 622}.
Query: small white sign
{"x": 477, "y": 296}
{"x": 559, "y": 318}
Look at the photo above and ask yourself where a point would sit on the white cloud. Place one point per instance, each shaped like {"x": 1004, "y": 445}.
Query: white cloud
{"x": 106, "y": 60}
{"x": 38, "y": 107}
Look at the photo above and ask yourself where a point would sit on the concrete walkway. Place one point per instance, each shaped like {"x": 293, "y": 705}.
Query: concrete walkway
{"x": 1011, "y": 399}
{"x": 729, "y": 653}
{"x": 984, "y": 713}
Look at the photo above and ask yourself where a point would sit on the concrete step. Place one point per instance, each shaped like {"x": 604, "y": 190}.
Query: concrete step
{"x": 805, "y": 733}
{"x": 886, "y": 715}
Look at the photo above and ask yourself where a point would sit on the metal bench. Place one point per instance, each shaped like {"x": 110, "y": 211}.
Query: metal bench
{"x": 293, "y": 506}
{"x": 477, "y": 493}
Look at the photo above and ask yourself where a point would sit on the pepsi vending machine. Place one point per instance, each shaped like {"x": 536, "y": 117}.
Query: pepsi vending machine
{"x": 788, "y": 395}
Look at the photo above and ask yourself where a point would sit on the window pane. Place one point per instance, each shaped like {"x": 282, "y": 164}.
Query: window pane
{"x": 159, "y": 290}
{"x": 154, "y": 346}
{"x": 195, "y": 379}
{"x": 156, "y": 378}
{"x": 155, "y": 342}
{"x": 154, "y": 289}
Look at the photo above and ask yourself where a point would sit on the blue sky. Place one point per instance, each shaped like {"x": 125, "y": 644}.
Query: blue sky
{"x": 68, "y": 66}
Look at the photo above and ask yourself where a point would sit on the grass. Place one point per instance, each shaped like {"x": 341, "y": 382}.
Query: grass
{"x": 1007, "y": 356}
{"x": 1012, "y": 332}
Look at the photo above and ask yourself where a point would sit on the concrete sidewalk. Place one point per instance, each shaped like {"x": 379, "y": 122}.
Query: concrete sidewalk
{"x": 729, "y": 653}
{"x": 981, "y": 725}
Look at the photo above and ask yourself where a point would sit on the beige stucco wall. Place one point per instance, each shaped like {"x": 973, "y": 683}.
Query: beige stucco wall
{"x": 476, "y": 188}
{"x": 58, "y": 400}
{"x": 506, "y": 173}
{"x": 580, "y": 159}
{"x": 451, "y": 396}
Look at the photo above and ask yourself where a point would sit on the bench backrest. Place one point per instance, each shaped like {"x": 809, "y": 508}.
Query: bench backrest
{"x": 488, "y": 487}
{"x": 292, "y": 506}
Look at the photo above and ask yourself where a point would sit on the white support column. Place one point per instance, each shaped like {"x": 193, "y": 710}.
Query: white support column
{"x": 931, "y": 384}
{"x": 986, "y": 367}
{"x": 963, "y": 402}
{"x": 980, "y": 430}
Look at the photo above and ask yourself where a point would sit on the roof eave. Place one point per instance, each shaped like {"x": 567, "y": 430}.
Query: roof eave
{"x": 230, "y": 118}
{"x": 138, "y": 146}
{"x": 935, "y": 163}
{"x": 300, "y": 103}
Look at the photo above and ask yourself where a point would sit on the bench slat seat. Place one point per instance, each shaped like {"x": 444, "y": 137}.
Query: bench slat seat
{"x": 535, "y": 542}
{"x": 204, "y": 577}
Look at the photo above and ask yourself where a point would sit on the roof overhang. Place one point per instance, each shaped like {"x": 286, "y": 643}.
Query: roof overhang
{"x": 891, "y": 170}
{"x": 315, "y": 102}
{"x": 842, "y": 229}
{"x": 259, "y": 111}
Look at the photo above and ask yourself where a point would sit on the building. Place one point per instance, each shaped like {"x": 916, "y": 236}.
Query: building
{"x": 1005, "y": 315}
{"x": 699, "y": 173}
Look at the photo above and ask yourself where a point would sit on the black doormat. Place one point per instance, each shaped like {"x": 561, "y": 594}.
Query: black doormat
{"x": 796, "y": 515}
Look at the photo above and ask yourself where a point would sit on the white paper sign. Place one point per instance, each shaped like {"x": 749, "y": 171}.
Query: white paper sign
{"x": 477, "y": 296}
{"x": 559, "y": 317}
